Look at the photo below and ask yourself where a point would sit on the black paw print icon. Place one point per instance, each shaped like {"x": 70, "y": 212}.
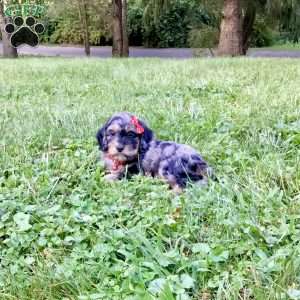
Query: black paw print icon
{"x": 24, "y": 31}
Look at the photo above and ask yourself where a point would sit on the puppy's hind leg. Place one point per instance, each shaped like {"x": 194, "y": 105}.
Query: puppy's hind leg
{"x": 176, "y": 187}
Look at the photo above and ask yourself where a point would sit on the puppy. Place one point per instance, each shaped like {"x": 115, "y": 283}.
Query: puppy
{"x": 129, "y": 147}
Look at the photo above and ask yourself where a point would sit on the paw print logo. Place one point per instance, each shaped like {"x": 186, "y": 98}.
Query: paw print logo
{"x": 24, "y": 31}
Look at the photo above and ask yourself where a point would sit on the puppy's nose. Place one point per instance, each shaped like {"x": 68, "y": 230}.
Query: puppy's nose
{"x": 120, "y": 148}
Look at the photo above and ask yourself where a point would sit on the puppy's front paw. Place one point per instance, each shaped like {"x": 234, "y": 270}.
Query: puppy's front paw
{"x": 177, "y": 190}
{"x": 111, "y": 177}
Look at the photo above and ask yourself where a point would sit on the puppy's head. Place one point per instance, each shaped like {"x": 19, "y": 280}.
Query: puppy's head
{"x": 123, "y": 135}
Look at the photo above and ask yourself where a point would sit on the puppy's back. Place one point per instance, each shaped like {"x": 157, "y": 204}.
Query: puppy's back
{"x": 177, "y": 163}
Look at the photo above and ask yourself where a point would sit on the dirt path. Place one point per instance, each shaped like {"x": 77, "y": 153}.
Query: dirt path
{"x": 105, "y": 52}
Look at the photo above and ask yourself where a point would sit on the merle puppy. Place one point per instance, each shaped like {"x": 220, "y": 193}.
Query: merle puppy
{"x": 129, "y": 146}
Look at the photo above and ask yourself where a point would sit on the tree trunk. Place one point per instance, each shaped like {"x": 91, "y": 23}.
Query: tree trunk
{"x": 117, "y": 49}
{"x": 231, "y": 38}
{"x": 84, "y": 21}
{"x": 8, "y": 49}
{"x": 125, "y": 49}
{"x": 248, "y": 22}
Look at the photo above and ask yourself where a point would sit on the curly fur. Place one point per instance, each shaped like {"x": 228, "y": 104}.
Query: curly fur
{"x": 127, "y": 151}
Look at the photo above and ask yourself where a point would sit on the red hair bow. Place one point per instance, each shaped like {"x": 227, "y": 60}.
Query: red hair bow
{"x": 139, "y": 128}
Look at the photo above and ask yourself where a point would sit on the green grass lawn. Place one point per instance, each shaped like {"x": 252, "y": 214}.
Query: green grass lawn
{"x": 67, "y": 234}
{"x": 285, "y": 46}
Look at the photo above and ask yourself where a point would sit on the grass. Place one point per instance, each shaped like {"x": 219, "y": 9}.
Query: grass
{"x": 67, "y": 234}
{"x": 288, "y": 46}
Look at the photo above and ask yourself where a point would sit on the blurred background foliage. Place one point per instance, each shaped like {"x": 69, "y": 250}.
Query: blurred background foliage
{"x": 169, "y": 23}
{"x": 64, "y": 25}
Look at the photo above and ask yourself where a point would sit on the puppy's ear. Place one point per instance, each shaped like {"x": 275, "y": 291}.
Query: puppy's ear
{"x": 146, "y": 137}
{"x": 101, "y": 139}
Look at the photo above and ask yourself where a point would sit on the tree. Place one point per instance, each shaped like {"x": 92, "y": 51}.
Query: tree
{"x": 247, "y": 24}
{"x": 267, "y": 10}
{"x": 239, "y": 18}
{"x": 231, "y": 34}
{"x": 8, "y": 49}
{"x": 83, "y": 16}
{"x": 117, "y": 25}
{"x": 119, "y": 29}
{"x": 124, "y": 28}
{"x": 86, "y": 22}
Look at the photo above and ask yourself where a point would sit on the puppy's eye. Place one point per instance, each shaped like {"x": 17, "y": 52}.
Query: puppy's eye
{"x": 131, "y": 134}
{"x": 111, "y": 133}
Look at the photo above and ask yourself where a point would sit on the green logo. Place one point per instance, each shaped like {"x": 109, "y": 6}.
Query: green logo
{"x": 25, "y": 10}
{"x": 23, "y": 26}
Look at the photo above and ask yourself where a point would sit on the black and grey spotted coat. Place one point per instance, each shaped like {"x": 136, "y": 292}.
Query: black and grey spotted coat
{"x": 177, "y": 164}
